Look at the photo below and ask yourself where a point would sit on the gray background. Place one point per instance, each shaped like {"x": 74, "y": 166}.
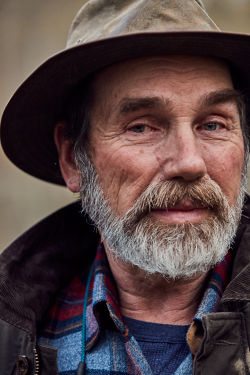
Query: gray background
{"x": 30, "y": 32}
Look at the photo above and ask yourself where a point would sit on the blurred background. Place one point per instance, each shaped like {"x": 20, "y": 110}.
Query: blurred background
{"x": 30, "y": 32}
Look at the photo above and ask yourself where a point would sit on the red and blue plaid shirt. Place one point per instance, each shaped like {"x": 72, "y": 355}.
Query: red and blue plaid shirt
{"x": 110, "y": 349}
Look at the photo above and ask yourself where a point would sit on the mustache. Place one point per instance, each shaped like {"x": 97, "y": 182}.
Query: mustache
{"x": 166, "y": 194}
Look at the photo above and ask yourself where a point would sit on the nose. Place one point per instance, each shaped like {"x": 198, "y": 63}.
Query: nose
{"x": 184, "y": 156}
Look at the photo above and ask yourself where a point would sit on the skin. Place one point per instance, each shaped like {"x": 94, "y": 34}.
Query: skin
{"x": 178, "y": 136}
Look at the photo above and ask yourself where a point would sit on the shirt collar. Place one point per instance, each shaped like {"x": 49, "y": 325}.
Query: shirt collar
{"x": 218, "y": 281}
{"x": 103, "y": 300}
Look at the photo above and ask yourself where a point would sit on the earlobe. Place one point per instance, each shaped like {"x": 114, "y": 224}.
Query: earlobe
{"x": 66, "y": 158}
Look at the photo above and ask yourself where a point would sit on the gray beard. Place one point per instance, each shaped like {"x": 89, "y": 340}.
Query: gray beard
{"x": 174, "y": 251}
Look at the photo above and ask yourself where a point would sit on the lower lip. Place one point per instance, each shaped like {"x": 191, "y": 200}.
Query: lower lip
{"x": 196, "y": 215}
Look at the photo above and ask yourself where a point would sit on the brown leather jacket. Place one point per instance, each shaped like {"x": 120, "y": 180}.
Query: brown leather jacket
{"x": 45, "y": 258}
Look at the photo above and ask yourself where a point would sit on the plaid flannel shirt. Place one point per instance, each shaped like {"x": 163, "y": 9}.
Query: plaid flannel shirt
{"x": 110, "y": 348}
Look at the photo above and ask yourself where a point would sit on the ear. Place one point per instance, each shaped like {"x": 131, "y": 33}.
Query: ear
{"x": 66, "y": 158}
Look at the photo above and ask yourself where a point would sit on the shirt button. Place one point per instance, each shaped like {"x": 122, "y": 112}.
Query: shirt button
{"x": 22, "y": 365}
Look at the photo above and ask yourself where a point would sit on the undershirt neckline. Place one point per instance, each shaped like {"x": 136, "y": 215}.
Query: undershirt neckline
{"x": 156, "y": 332}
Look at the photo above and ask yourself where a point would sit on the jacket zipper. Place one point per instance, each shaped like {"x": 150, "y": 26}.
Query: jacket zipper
{"x": 36, "y": 362}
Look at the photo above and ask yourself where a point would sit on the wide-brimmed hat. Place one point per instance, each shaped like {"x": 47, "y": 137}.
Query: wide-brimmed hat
{"x": 105, "y": 32}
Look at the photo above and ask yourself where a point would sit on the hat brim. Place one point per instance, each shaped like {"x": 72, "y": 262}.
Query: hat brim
{"x": 28, "y": 121}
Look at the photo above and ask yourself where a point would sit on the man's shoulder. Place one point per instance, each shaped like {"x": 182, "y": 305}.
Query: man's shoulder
{"x": 41, "y": 261}
{"x": 62, "y": 240}
{"x": 67, "y": 225}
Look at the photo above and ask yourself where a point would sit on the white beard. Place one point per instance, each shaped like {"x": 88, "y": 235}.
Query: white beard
{"x": 174, "y": 251}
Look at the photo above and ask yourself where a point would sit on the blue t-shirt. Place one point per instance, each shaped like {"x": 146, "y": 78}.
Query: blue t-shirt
{"x": 163, "y": 345}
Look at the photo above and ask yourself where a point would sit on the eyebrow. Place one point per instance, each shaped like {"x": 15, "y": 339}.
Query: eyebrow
{"x": 128, "y": 105}
{"x": 222, "y": 96}
{"x": 135, "y": 104}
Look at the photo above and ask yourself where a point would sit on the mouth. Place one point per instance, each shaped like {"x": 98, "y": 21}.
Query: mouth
{"x": 184, "y": 211}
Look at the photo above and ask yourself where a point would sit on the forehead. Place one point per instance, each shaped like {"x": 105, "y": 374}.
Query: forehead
{"x": 175, "y": 75}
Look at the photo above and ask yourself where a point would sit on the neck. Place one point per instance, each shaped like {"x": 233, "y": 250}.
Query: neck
{"x": 153, "y": 298}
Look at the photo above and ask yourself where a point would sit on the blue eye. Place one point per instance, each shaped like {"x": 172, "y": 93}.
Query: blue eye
{"x": 138, "y": 128}
{"x": 211, "y": 126}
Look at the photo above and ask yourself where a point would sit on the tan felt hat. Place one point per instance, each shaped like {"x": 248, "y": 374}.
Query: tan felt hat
{"x": 105, "y": 32}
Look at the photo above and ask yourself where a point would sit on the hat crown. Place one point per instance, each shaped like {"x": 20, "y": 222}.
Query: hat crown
{"x": 99, "y": 19}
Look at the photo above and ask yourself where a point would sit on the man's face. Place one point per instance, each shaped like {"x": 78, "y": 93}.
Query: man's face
{"x": 166, "y": 151}
{"x": 165, "y": 118}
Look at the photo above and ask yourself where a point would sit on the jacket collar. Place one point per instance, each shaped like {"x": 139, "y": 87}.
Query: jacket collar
{"x": 41, "y": 262}
{"x": 238, "y": 290}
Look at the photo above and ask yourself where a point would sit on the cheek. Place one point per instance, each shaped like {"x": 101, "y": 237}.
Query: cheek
{"x": 226, "y": 170}
{"x": 124, "y": 174}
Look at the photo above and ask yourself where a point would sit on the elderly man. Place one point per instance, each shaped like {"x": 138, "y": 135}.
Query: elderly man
{"x": 150, "y": 126}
